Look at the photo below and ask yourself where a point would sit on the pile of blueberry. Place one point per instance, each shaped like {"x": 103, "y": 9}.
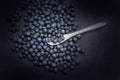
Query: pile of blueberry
{"x": 38, "y": 20}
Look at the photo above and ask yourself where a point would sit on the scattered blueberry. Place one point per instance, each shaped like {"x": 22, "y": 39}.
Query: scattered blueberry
{"x": 45, "y": 20}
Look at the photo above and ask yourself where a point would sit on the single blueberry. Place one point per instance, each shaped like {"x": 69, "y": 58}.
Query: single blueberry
{"x": 41, "y": 58}
{"x": 68, "y": 57}
{"x": 39, "y": 39}
{"x": 53, "y": 64}
{"x": 74, "y": 38}
{"x": 54, "y": 55}
{"x": 53, "y": 25}
{"x": 33, "y": 46}
{"x": 56, "y": 60}
{"x": 44, "y": 62}
{"x": 38, "y": 54}
{"x": 63, "y": 31}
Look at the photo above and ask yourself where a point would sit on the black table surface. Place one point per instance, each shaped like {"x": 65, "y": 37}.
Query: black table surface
{"x": 101, "y": 61}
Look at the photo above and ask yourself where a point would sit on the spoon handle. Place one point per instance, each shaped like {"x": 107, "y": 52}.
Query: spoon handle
{"x": 93, "y": 27}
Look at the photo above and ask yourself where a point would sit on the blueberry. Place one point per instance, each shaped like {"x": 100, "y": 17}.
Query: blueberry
{"x": 53, "y": 64}
{"x": 71, "y": 18}
{"x": 33, "y": 54}
{"x": 62, "y": 37}
{"x": 35, "y": 35}
{"x": 77, "y": 61}
{"x": 54, "y": 40}
{"x": 68, "y": 57}
{"x": 71, "y": 43}
{"x": 67, "y": 52}
{"x": 55, "y": 50}
{"x": 49, "y": 62}
{"x": 36, "y": 58}
{"x": 51, "y": 51}
{"x": 56, "y": 31}
{"x": 39, "y": 39}
{"x": 67, "y": 31}
{"x": 31, "y": 50}
{"x": 47, "y": 20}
{"x": 63, "y": 31}
{"x": 35, "y": 62}
{"x": 44, "y": 46}
{"x": 55, "y": 69}
{"x": 42, "y": 52}
{"x": 54, "y": 55}
{"x": 60, "y": 59}
{"x": 44, "y": 62}
{"x": 19, "y": 40}
{"x": 53, "y": 25}
{"x": 28, "y": 33}
{"x": 49, "y": 31}
{"x": 48, "y": 26}
{"x": 30, "y": 57}
{"x": 41, "y": 23}
{"x": 62, "y": 49}
{"x": 38, "y": 54}
{"x": 51, "y": 58}
{"x": 36, "y": 50}
{"x": 41, "y": 44}
{"x": 59, "y": 46}
{"x": 48, "y": 39}
{"x": 33, "y": 46}
{"x": 61, "y": 62}
{"x": 41, "y": 58}
{"x": 59, "y": 40}
{"x": 56, "y": 59}
{"x": 47, "y": 67}
{"x": 64, "y": 65}
{"x": 47, "y": 13}
{"x": 79, "y": 36}
{"x": 32, "y": 32}
{"x": 75, "y": 39}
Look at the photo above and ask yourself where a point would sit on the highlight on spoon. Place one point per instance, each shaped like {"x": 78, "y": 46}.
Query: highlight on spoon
{"x": 69, "y": 35}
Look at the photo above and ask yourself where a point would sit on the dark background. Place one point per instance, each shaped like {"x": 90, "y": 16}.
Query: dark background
{"x": 101, "y": 61}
